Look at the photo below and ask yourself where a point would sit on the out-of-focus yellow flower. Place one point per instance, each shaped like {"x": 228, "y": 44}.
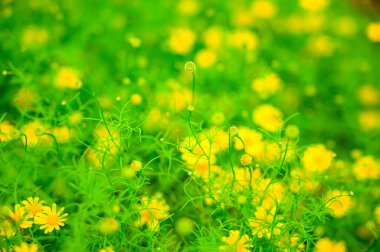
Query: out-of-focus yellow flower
{"x": 107, "y": 249}
{"x": 188, "y": 7}
{"x": 24, "y": 247}
{"x": 321, "y": 46}
{"x": 152, "y": 211}
{"x": 213, "y": 38}
{"x": 262, "y": 224}
{"x": 181, "y": 40}
{"x": 373, "y": 32}
{"x": 366, "y": 168}
{"x": 33, "y": 139}
{"x": 267, "y": 85}
{"x": 6, "y": 229}
{"x": 21, "y": 217}
{"x": 243, "y": 40}
{"x": 314, "y": 5}
{"x": 326, "y": 245}
{"x": 263, "y": 9}
{"x": 345, "y": 26}
{"x": 317, "y": 158}
{"x": 369, "y": 95}
{"x": 369, "y": 120}
{"x": 246, "y": 159}
{"x": 205, "y": 58}
{"x": 25, "y": 98}
{"x": 62, "y": 134}
{"x": 338, "y": 202}
{"x": 136, "y": 99}
{"x": 235, "y": 242}
{"x": 268, "y": 117}
{"x": 68, "y": 78}
{"x": 34, "y": 37}
{"x": 108, "y": 226}
{"x": 6, "y": 131}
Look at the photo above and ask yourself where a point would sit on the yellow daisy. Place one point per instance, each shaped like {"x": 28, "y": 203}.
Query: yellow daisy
{"x": 33, "y": 206}
{"x": 50, "y": 218}
{"x": 24, "y": 247}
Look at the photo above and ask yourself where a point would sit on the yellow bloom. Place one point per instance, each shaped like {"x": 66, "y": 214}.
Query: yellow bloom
{"x": 267, "y": 85}
{"x": 369, "y": 120}
{"x": 50, "y": 218}
{"x": 326, "y": 245}
{"x": 152, "y": 211}
{"x": 67, "y": 78}
{"x": 20, "y": 217}
{"x": 34, "y": 36}
{"x": 369, "y": 95}
{"x": 246, "y": 159}
{"x": 181, "y": 40}
{"x": 6, "y": 129}
{"x": 33, "y": 206}
{"x": 235, "y": 242}
{"x": 263, "y": 9}
{"x": 108, "y": 226}
{"x": 313, "y": 5}
{"x": 366, "y": 168}
{"x": 107, "y": 249}
{"x": 373, "y": 32}
{"x": 338, "y": 202}
{"x": 6, "y": 229}
{"x": 136, "y": 165}
{"x": 317, "y": 158}
{"x": 24, "y": 247}
{"x": 262, "y": 225}
{"x": 206, "y": 58}
{"x": 243, "y": 40}
{"x": 268, "y": 117}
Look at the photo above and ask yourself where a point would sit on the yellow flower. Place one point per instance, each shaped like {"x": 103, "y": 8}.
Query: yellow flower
{"x": 246, "y": 159}
{"x": 313, "y": 5}
{"x": 235, "y": 242}
{"x": 50, "y": 218}
{"x": 366, "y": 168}
{"x": 6, "y": 229}
{"x": 373, "y": 32}
{"x": 317, "y": 158}
{"x": 136, "y": 165}
{"x": 152, "y": 211}
{"x": 67, "y": 78}
{"x": 213, "y": 37}
{"x": 243, "y": 40}
{"x": 338, "y": 202}
{"x": 181, "y": 40}
{"x": 20, "y": 217}
{"x": 206, "y": 58}
{"x": 30, "y": 129}
{"x": 136, "y": 99}
{"x": 108, "y": 226}
{"x": 268, "y": 117}
{"x": 369, "y": 120}
{"x": 6, "y": 130}
{"x": 33, "y": 206}
{"x": 24, "y": 247}
{"x": 369, "y": 95}
{"x": 263, "y": 9}
{"x": 326, "y": 245}
{"x": 262, "y": 225}
{"x": 267, "y": 85}
{"x": 34, "y": 37}
{"x": 107, "y": 249}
